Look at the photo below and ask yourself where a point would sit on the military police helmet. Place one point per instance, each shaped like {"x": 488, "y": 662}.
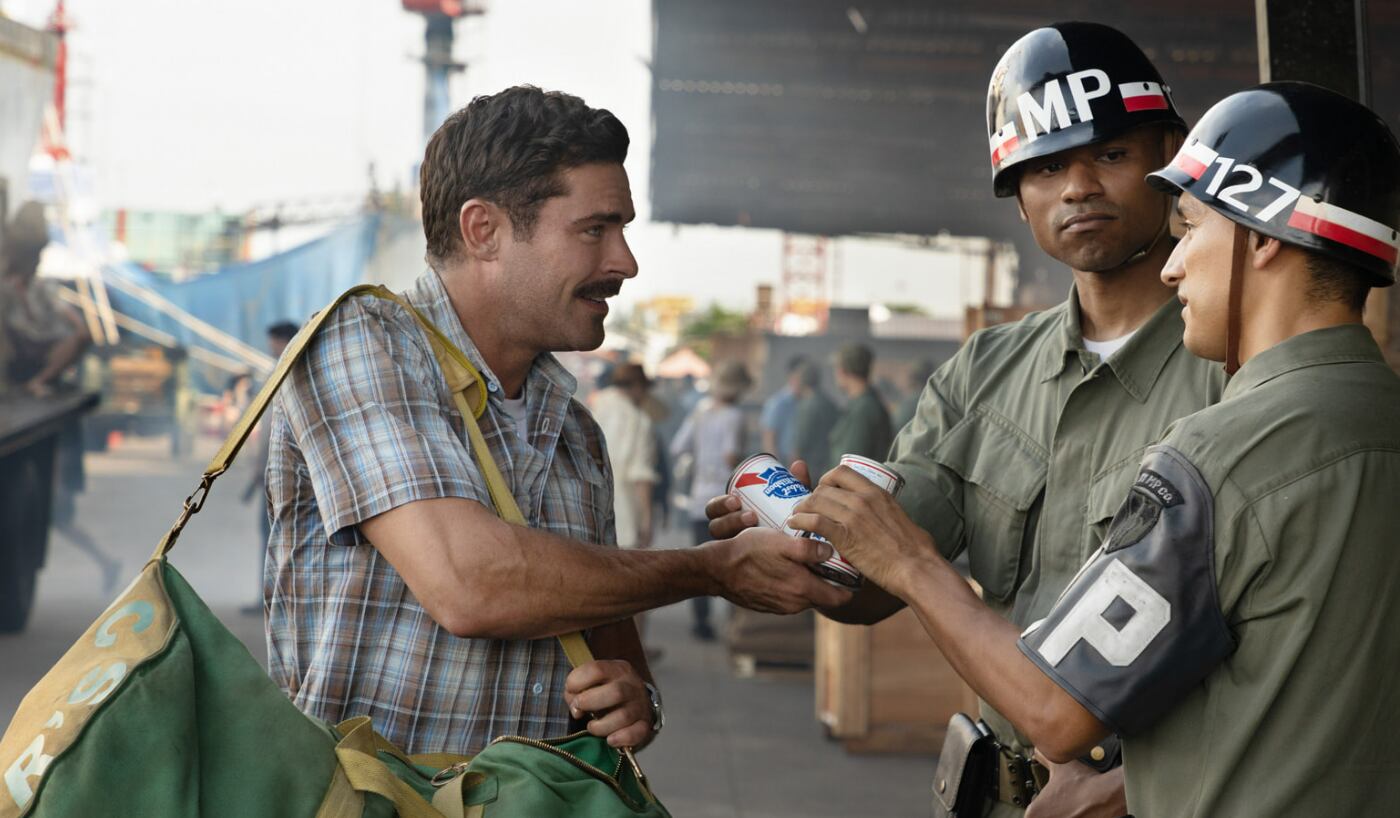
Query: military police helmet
{"x": 1065, "y": 86}
{"x": 1302, "y": 164}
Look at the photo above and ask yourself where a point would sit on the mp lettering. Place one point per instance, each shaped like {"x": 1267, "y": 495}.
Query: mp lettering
{"x": 1086, "y": 622}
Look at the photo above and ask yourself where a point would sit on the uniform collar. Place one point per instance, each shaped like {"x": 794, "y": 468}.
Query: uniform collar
{"x": 430, "y": 297}
{"x": 1345, "y": 343}
{"x": 1137, "y": 365}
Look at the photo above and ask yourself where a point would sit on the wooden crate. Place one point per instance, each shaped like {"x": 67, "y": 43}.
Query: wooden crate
{"x": 886, "y": 687}
{"x": 759, "y": 641}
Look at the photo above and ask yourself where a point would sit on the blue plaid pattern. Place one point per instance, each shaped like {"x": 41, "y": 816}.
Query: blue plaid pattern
{"x": 365, "y": 424}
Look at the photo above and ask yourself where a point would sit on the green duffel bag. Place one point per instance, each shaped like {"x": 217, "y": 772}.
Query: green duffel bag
{"x": 158, "y": 710}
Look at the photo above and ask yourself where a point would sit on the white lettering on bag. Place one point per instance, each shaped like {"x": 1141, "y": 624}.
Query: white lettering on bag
{"x": 92, "y": 689}
{"x": 97, "y": 683}
{"x": 139, "y": 608}
{"x": 1085, "y": 621}
{"x": 30, "y": 764}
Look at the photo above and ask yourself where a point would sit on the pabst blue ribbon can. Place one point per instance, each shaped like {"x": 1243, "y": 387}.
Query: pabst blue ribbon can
{"x": 766, "y": 487}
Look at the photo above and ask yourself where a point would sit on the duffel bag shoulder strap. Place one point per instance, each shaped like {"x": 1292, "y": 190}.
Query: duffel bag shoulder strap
{"x": 463, "y": 380}
{"x": 244, "y": 427}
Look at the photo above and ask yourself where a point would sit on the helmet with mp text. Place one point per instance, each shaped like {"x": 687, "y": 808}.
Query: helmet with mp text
{"x": 1065, "y": 86}
{"x": 1302, "y": 164}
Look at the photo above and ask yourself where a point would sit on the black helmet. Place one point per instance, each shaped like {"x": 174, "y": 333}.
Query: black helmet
{"x": 1068, "y": 85}
{"x": 1302, "y": 164}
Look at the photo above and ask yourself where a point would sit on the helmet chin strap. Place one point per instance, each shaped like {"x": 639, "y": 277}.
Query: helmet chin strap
{"x": 1234, "y": 319}
{"x": 1165, "y": 227}
{"x": 1162, "y": 231}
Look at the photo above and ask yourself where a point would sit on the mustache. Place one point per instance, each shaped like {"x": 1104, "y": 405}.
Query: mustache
{"x": 600, "y": 289}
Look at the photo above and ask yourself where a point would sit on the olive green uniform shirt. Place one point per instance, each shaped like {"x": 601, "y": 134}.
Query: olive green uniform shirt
{"x": 1024, "y": 444}
{"x": 1297, "y": 715}
{"x": 864, "y": 428}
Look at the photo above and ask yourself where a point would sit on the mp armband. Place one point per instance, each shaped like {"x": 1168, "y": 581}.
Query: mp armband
{"x": 1140, "y": 625}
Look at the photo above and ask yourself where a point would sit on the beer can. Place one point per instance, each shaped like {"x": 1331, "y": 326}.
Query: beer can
{"x": 837, "y": 570}
{"x": 874, "y": 471}
{"x": 767, "y": 488}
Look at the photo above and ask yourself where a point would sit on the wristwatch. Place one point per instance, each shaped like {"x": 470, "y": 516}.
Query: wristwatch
{"x": 658, "y": 715}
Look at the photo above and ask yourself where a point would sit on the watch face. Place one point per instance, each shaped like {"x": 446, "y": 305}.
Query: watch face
{"x": 658, "y": 714}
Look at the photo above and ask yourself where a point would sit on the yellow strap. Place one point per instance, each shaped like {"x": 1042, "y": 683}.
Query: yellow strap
{"x": 342, "y": 800}
{"x": 448, "y": 800}
{"x": 366, "y": 773}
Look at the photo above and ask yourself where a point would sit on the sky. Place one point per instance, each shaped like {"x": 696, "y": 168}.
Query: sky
{"x": 196, "y": 104}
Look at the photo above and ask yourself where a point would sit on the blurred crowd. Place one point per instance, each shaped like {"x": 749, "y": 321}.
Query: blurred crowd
{"x": 674, "y": 442}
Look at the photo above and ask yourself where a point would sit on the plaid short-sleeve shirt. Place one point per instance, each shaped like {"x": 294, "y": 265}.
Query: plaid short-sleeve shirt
{"x": 365, "y": 424}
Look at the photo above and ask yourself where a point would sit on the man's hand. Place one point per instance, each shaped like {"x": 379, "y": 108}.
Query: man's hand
{"x": 614, "y": 697}
{"x": 767, "y": 571}
{"x": 728, "y": 517}
{"x": 38, "y": 387}
{"x": 1076, "y": 790}
{"x": 867, "y": 526}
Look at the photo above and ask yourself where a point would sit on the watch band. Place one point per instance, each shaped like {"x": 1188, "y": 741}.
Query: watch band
{"x": 658, "y": 714}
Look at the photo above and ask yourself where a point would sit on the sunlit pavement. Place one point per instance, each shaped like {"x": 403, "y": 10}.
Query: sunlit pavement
{"x": 747, "y": 748}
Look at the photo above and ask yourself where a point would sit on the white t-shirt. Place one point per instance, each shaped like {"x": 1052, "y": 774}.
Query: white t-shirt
{"x": 1103, "y": 349}
{"x": 515, "y": 407}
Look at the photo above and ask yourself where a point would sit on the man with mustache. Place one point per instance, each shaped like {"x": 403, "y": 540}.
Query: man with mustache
{"x": 392, "y": 587}
{"x": 1237, "y": 624}
{"x": 1024, "y": 442}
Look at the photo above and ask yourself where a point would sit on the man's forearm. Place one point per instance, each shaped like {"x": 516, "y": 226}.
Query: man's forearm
{"x": 480, "y": 576}
{"x": 61, "y": 356}
{"x": 540, "y": 584}
{"x": 981, "y": 647}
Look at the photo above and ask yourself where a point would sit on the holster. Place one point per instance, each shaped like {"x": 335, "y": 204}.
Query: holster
{"x": 962, "y": 780}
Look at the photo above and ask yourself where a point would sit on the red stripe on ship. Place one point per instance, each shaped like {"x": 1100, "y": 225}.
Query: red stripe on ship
{"x": 1343, "y": 235}
{"x": 750, "y": 479}
{"x": 1189, "y": 165}
{"x": 1145, "y": 102}
{"x": 1004, "y": 149}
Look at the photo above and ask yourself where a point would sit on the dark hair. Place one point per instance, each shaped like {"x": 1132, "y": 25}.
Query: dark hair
{"x": 811, "y": 377}
{"x": 629, "y": 375}
{"x": 1335, "y": 280}
{"x": 509, "y": 149}
{"x": 795, "y": 362}
{"x": 855, "y": 359}
{"x": 283, "y": 331}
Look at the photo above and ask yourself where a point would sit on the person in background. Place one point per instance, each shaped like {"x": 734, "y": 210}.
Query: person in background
{"x": 777, "y": 423}
{"x": 46, "y": 337}
{"x": 816, "y": 415}
{"x": 278, "y": 336}
{"x": 919, "y": 373}
{"x": 713, "y": 436}
{"x": 630, "y": 438}
{"x": 864, "y": 425}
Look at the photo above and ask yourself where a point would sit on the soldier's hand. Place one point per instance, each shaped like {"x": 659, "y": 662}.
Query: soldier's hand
{"x": 865, "y": 524}
{"x": 1076, "y": 790}
{"x": 727, "y": 517}
{"x": 767, "y": 571}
